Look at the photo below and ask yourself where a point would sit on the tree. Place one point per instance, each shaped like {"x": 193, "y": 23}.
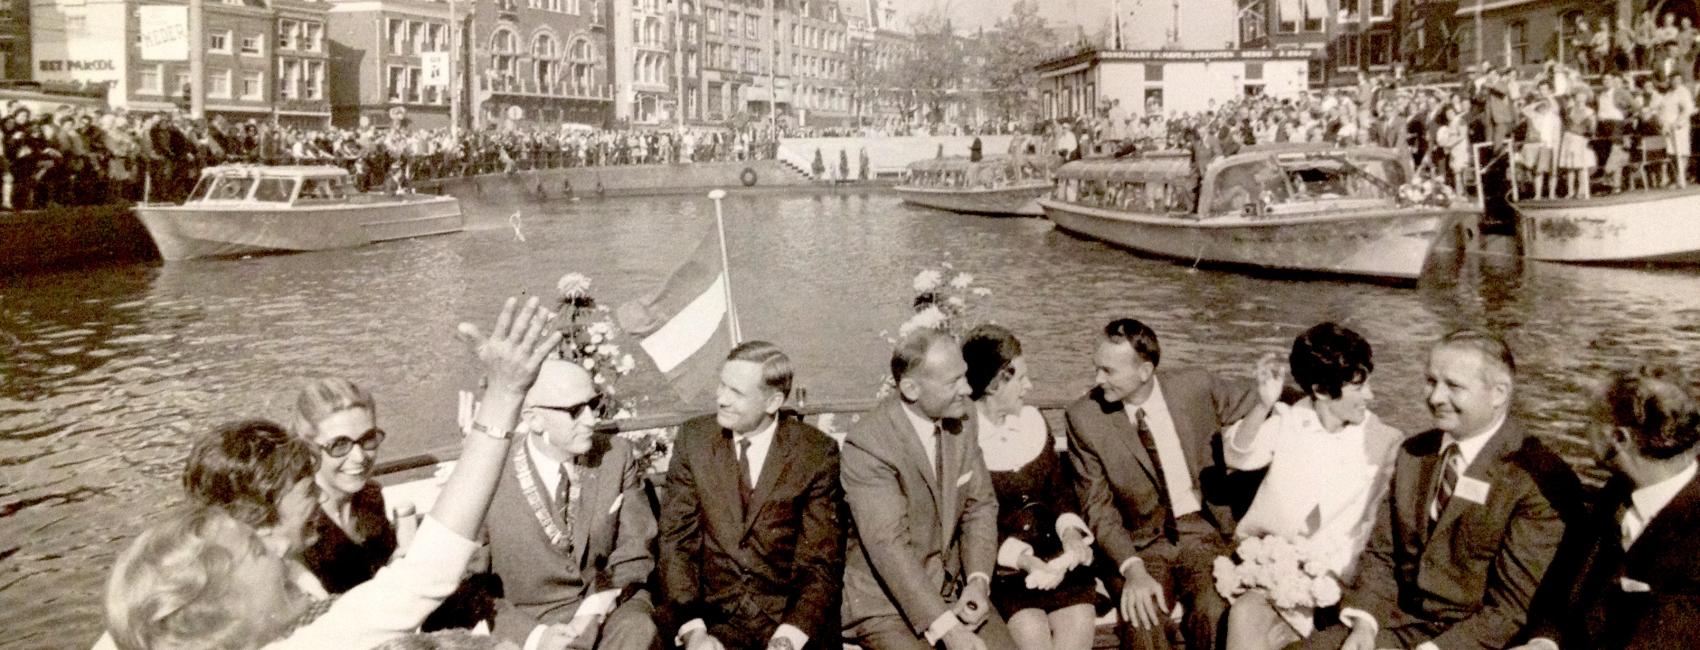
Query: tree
{"x": 1017, "y": 44}
{"x": 932, "y": 69}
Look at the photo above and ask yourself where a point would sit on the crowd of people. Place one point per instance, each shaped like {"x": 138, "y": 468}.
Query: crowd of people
{"x": 950, "y": 514}
{"x": 78, "y": 156}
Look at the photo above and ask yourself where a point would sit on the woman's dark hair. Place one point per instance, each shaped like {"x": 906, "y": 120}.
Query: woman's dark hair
{"x": 989, "y": 351}
{"x": 1654, "y": 403}
{"x": 245, "y": 467}
{"x": 1327, "y": 357}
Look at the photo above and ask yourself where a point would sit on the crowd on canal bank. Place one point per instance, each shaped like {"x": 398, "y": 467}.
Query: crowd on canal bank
{"x": 950, "y": 514}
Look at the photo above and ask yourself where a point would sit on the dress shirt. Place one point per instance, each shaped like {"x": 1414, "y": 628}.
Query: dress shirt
{"x": 924, "y": 430}
{"x": 761, "y": 440}
{"x": 1645, "y": 503}
{"x": 1171, "y": 457}
{"x": 598, "y": 604}
{"x": 1468, "y": 449}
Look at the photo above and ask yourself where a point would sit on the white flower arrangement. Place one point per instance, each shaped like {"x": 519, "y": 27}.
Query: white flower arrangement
{"x": 945, "y": 300}
{"x": 588, "y": 336}
{"x": 1293, "y": 572}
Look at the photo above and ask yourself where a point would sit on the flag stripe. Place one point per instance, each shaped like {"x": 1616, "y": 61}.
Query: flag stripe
{"x": 695, "y": 379}
{"x": 686, "y": 333}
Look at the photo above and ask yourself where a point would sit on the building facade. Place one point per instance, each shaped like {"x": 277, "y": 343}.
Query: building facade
{"x": 539, "y": 62}
{"x": 815, "y": 54}
{"x": 736, "y": 60}
{"x": 1346, "y": 38}
{"x": 15, "y": 39}
{"x": 1165, "y": 82}
{"x": 379, "y": 52}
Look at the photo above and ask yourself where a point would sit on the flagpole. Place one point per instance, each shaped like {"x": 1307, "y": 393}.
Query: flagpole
{"x": 726, "y": 267}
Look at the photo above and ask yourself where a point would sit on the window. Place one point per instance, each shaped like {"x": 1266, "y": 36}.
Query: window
{"x": 253, "y": 45}
{"x": 437, "y": 37}
{"x": 312, "y": 37}
{"x": 253, "y": 85}
{"x": 314, "y": 81}
{"x": 182, "y": 83}
{"x": 152, "y": 80}
{"x": 218, "y": 84}
{"x": 1153, "y": 72}
{"x": 751, "y": 27}
{"x": 396, "y": 83}
{"x": 416, "y": 37}
{"x": 713, "y": 21}
{"x": 1380, "y": 48}
{"x": 286, "y": 30}
{"x": 1517, "y": 42}
{"x": 1253, "y": 23}
{"x": 274, "y": 189}
{"x": 397, "y": 36}
{"x": 218, "y": 42}
{"x": 1294, "y": 15}
{"x": 1153, "y": 100}
{"x": 1380, "y": 9}
{"x": 289, "y": 79}
{"x": 1253, "y": 71}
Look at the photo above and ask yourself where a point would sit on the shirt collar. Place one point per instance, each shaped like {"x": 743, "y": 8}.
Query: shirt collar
{"x": 1472, "y": 447}
{"x": 759, "y": 435}
{"x": 1154, "y": 401}
{"x": 1653, "y": 498}
{"x": 923, "y": 425}
{"x": 538, "y": 457}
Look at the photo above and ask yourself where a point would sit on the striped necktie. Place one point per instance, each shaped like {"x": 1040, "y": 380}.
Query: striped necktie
{"x": 1450, "y": 459}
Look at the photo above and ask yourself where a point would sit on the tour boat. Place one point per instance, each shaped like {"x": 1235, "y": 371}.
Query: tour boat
{"x": 239, "y": 209}
{"x": 1653, "y": 226}
{"x": 991, "y": 186}
{"x": 1311, "y": 208}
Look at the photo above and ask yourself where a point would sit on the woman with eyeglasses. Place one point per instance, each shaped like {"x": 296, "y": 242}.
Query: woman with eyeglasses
{"x": 351, "y": 536}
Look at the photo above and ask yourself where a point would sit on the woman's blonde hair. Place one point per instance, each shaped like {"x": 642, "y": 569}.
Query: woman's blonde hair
{"x": 327, "y": 396}
{"x": 176, "y": 586}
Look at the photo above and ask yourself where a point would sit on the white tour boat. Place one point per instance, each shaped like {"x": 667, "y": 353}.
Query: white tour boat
{"x": 1292, "y": 207}
{"x": 240, "y": 209}
{"x": 994, "y": 185}
{"x": 1654, "y": 227}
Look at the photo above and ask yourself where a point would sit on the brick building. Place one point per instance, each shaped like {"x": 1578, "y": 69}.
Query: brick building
{"x": 378, "y": 53}
{"x": 540, "y": 62}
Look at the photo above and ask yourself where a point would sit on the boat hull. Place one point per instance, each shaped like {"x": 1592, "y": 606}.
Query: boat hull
{"x": 188, "y": 232}
{"x": 1016, "y": 200}
{"x": 1652, "y": 227}
{"x": 1388, "y": 244}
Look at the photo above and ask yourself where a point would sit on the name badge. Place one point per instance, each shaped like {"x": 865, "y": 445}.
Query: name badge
{"x": 963, "y": 480}
{"x": 1472, "y": 490}
{"x": 1633, "y": 586}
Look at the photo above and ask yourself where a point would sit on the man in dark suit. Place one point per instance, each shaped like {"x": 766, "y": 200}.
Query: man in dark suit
{"x": 1471, "y": 522}
{"x": 918, "y": 566}
{"x": 751, "y": 554}
{"x": 1631, "y": 578}
{"x": 1143, "y": 444}
{"x": 571, "y": 526}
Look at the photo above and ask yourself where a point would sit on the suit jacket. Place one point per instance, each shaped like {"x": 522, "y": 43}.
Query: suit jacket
{"x": 614, "y": 528}
{"x": 1470, "y": 582}
{"x": 1597, "y": 595}
{"x": 916, "y": 538}
{"x": 781, "y": 564}
{"x": 1116, "y": 478}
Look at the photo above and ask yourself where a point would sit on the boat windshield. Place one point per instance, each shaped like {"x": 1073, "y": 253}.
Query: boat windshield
{"x": 275, "y": 189}
{"x": 201, "y": 188}
{"x": 1282, "y": 183}
{"x": 230, "y": 188}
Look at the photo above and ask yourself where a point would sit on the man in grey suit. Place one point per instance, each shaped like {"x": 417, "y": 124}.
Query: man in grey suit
{"x": 918, "y": 564}
{"x": 1144, "y": 444}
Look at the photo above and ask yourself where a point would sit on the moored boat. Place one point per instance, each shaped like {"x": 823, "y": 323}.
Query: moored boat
{"x": 1656, "y": 226}
{"x": 240, "y": 209}
{"x": 1308, "y": 208}
{"x": 991, "y": 186}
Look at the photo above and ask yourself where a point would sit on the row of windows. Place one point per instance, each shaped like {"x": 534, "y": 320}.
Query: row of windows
{"x": 733, "y": 20}
{"x": 561, "y": 6}
{"x": 219, "y": 42}
{"x": 297, "y": 79}
{"x": 817, "y": 38}
{"x": 301, "y": 36}
{"x": 404, "y": 84}
{"x": 416, "y": 37}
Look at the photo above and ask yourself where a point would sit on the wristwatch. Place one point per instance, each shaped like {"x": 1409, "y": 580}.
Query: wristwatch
{"x": 480, "y": 427}
{"x": 780, "y": 643}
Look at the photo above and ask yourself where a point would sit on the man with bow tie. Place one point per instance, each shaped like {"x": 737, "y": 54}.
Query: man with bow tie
{"x": 751, "y": 552}
{"x": 1631, "y": 578}
{"x": 1470, "y": 524}
{"x": 571, "y": 525}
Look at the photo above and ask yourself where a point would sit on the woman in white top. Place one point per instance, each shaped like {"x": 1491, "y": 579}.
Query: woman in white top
{"x": 1329, "y": 460}
{"x": 202, "y": 579}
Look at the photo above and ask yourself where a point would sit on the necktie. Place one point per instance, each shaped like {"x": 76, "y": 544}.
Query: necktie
{"x": 1448, "y": 482}
{"x": 746, "y": 476}
{"x": 1631, "y": 526}
{"x": 938, "y": 452}
{"x": 1147, "y": 440}
{"x": 563, "y": 500}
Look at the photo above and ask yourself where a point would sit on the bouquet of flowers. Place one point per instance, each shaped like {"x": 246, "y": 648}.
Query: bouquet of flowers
{"x": 1426, "y": 190}
{"x": 588, "y": 336}
{"x": 1293, "y": 572}
{"x": 945, "y": 300}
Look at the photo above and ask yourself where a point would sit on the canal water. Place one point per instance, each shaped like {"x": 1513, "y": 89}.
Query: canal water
{"x": 106, "y": 374}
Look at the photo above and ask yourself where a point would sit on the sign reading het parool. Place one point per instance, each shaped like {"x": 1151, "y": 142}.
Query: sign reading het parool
{"x": 76, "y": 41}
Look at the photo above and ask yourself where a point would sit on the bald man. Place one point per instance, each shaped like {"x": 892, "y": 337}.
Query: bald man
{"x": 571, "y": 526}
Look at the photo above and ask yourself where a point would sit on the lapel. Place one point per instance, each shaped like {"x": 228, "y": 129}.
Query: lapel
{"x": 1486, "y": 467}
{"x": 909, "y": 447}
{"x": 719, "y": 476}
{"x": 1672, "y": 528}
{"x": 1124, "y": 433}
{"x": 1413, "y": 480}
{"x": 536, "y": 467}
{"x": 593, "y": 501}
{"x": 1177, "y": 394}
{"x": 951, "y": 448}
{"x": 773, "y": 469}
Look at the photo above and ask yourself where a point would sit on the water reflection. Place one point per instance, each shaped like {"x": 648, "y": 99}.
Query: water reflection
{"x": 107, "y": 372}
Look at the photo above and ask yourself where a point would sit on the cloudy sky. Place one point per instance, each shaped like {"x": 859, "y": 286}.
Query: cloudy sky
{"x": 1204, "y": 23}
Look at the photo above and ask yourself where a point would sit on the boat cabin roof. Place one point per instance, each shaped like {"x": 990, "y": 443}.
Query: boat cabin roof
{"x": 962, "y": 164}
{"x": 276, "y": 171}
{"x": 1261, "y": 180}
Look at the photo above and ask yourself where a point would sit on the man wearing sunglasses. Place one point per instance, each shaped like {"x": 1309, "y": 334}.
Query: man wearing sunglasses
{"x": 571, "y": 526}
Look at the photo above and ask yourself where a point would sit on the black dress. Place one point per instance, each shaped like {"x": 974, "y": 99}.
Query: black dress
{"x": 1030, "y": 498}
{"x": 340, "y": 562}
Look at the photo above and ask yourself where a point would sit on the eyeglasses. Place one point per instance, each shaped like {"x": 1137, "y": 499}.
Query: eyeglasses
{"x": 576, "y": 411}
{"x": 368, "y": 441}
